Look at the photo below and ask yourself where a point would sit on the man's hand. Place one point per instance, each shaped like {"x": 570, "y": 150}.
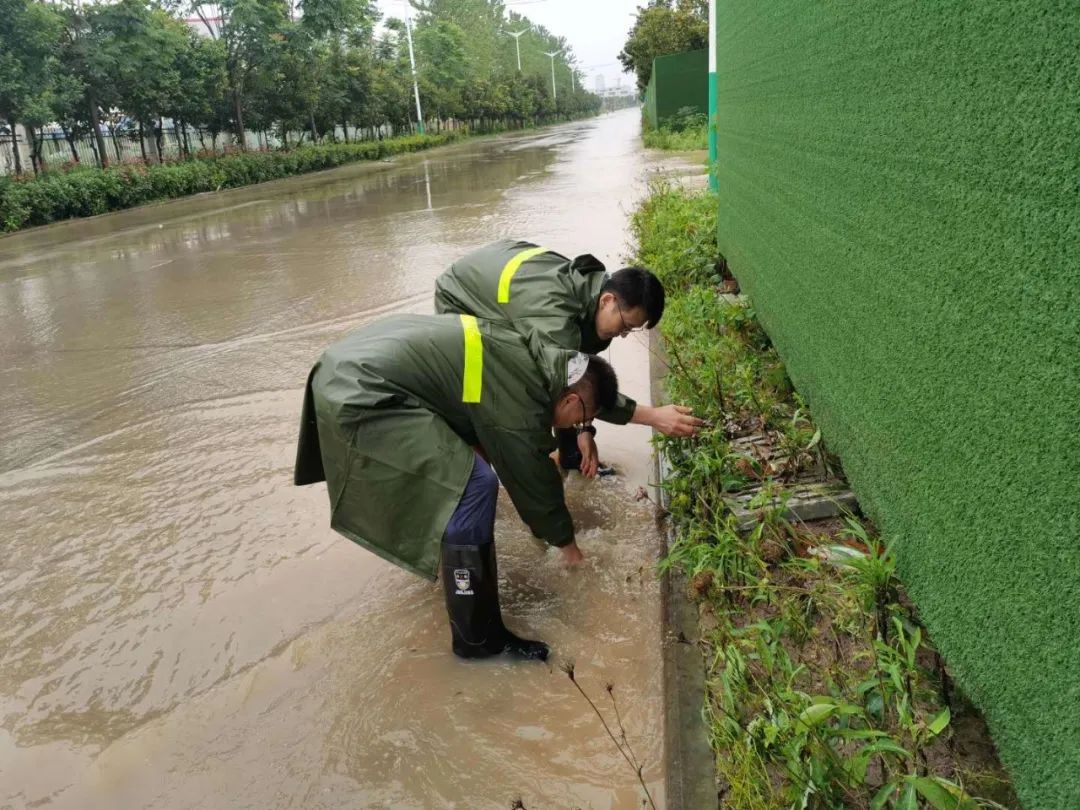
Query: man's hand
{"x": 671, "y": 420}
{"x": 572, "y": 554}
{"x": 590, "y": 456}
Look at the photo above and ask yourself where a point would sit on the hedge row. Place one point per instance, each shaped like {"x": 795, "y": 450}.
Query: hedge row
{"x": 82, "y": 192}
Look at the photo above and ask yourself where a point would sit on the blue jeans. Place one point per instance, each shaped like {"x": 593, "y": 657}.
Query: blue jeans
{"x": 473, "y": 522}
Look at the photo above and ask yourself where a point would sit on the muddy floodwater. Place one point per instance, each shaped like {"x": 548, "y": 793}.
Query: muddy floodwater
{"x": 179, "y": 628}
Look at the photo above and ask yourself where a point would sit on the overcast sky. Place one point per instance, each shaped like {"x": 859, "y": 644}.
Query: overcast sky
{"x": 595, "y": 29}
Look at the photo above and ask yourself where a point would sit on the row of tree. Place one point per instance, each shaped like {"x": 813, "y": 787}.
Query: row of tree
{"x": 237, "y": 66}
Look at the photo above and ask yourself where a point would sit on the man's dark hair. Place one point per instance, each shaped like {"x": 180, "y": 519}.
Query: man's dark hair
{"x": 599, "y": 384}
{"x": 637, "y": 287}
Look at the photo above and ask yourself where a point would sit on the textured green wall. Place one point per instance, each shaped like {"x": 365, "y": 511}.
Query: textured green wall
{"x": 650, "y": 101}
{"x": 899, "y": 189}
{"x": 678, "y": 80}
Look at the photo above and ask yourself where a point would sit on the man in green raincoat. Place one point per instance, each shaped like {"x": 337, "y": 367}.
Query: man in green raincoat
{"x": 391, "y": 415}
{"x": 573, "y": 304}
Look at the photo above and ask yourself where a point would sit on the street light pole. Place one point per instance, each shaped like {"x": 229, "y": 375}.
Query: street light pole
{"x": 554, "y": 93}
{"x": 517, "y": 44}
{"x": 412, "y": 65}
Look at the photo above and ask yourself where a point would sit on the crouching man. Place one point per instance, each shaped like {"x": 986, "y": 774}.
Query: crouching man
{"x": 392, "y": 414}
{"x": 570, "y": 303}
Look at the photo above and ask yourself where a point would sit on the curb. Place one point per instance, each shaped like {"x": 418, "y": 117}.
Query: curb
{"x": 689, "y": 767}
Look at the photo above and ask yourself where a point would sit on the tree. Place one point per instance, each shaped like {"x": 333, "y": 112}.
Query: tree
{"x": 30, "y": 33}
{"x": 203, "y": 102}
{"x": 88, "y": 85}
{"x": 140, "y": 48}
{"x": 662, "y": 28}
{"x": 250, "y": 30}
{"x": 317, "y": 44}
{"x": 441, "y": 64}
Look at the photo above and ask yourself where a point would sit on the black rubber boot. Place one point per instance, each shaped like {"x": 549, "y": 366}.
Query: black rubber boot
{"x": 470, "y": 579}
{"x": 569, "y": 455}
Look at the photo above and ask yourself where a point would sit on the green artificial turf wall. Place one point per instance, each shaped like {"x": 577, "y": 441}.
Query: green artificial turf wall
{"x": 649, "y": 108}
{"x": 899, "y": 194}
{"x": 678, "y": 80}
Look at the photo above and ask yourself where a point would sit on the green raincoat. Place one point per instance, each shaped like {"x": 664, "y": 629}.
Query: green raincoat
{"x": 389, "y": 417}
{"x": 541, "y": 294}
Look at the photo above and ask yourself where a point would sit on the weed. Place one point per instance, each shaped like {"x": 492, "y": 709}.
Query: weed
{"x": 621, "y": 742}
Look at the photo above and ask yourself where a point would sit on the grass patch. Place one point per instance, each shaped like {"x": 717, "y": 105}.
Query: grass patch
{"x": 823, "y": 690}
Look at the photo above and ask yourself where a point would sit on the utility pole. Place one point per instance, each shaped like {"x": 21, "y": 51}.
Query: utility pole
{"x": 517, "y": 43}
{"x": 712, "y": 123}
{"x": 412, "y": 64}
{"x": 552, "y": 55}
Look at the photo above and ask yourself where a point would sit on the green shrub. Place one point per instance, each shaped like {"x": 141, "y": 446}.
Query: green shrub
{"x": 83, "y": 191}
{"x": 686, "y": 130}
{"x": 676, "y": 237}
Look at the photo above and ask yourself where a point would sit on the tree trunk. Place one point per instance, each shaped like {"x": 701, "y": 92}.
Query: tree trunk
{"x": 116, "y": 145}
{"x": 93, "y": 150}
{"x": 95, "y": 123}
{"x": 15, "y": 146}
{"x": 71, "y": 143}
{"x": 202, "y": 140}
{"x": 345, "y": 131}
{"x": 35, "y": 150}
{"x": 159, "y": 138}
{"x": 184, "y": 145}
{"x": 238, "y": 118}
{"x": 32, "y": 136}
{"x": 142, "y": 142}
{"x": 314, "y": 132}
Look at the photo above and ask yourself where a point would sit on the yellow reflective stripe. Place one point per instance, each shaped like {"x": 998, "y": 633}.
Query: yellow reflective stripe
{"x": 511, "y": 268}
{"x": 474, "y": 360}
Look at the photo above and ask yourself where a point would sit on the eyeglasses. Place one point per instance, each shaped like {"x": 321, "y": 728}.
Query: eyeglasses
{"x": 584, "y": 420}
{"x": 626, "y": 330}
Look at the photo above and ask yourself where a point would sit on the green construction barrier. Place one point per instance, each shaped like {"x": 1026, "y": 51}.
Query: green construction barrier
{"x": 678, "y": 80}
{"x": 899, "y": 193}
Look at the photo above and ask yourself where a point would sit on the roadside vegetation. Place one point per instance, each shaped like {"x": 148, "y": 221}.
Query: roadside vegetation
{"x": 686, "y": 131}
{"x": 823, "y": 690}
{"x": 83, "y": 192}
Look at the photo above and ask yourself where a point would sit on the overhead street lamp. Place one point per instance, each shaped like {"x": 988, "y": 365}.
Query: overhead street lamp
{"x": 517, "y": 43}
{"x": 553, "y": 54}
{"x": 412, "y": 65}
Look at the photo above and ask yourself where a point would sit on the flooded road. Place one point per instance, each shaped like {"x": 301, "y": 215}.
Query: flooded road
{"x": 179, "y": 627}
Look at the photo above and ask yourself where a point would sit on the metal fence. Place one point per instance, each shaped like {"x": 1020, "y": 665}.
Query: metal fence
{"x": 124, "y": 147}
